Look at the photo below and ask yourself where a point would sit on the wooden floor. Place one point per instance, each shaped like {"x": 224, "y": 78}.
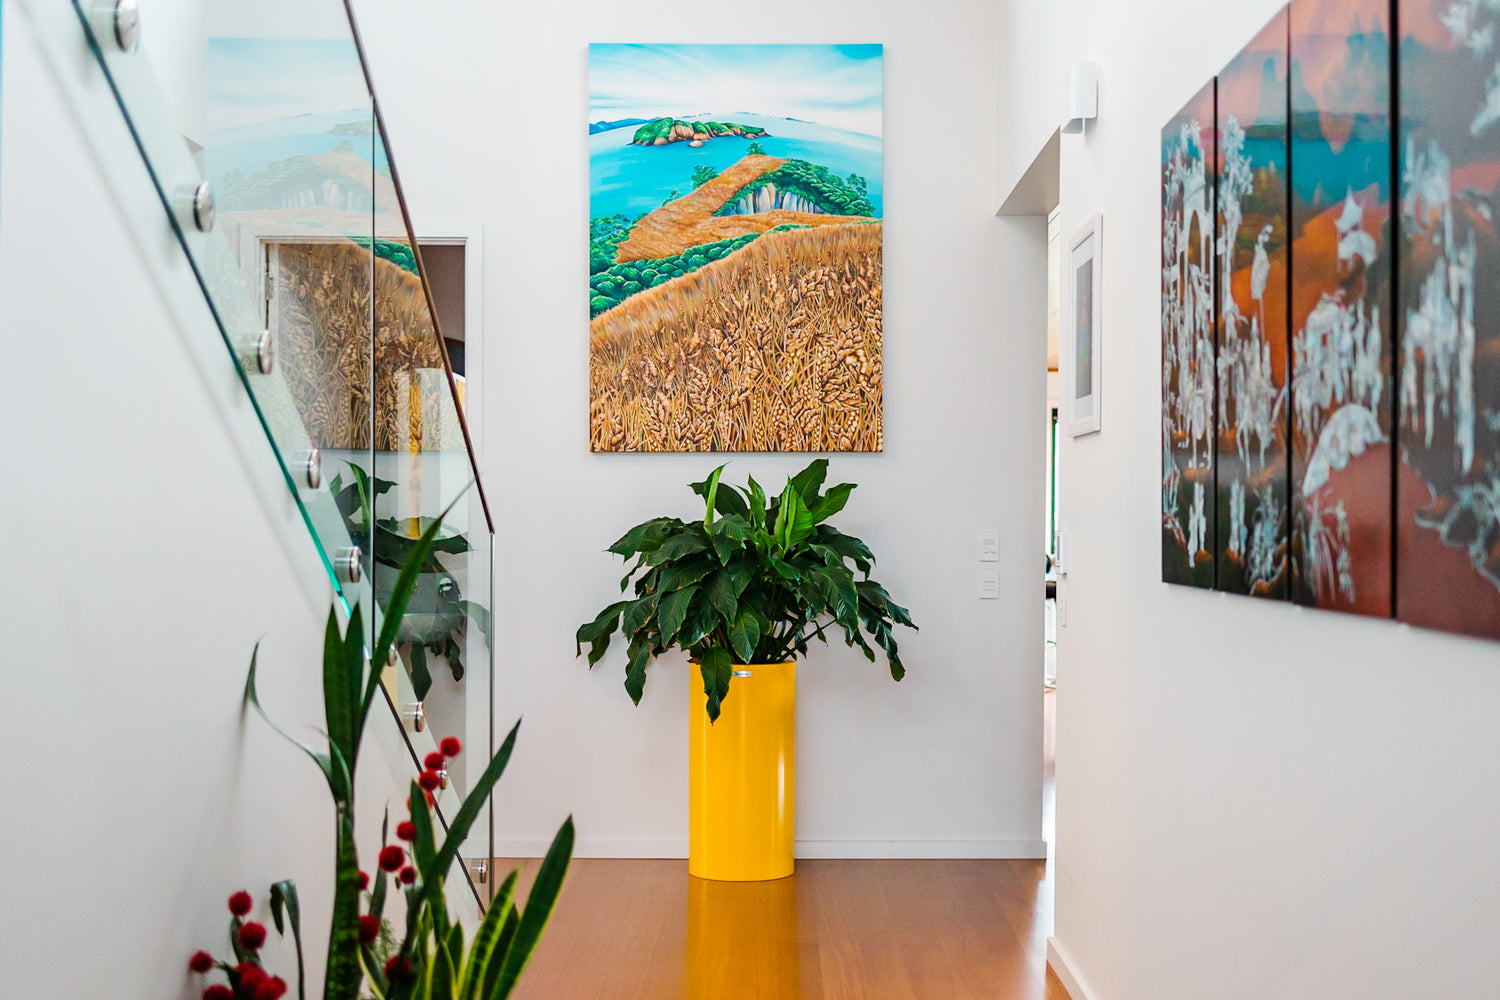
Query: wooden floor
{"x": 836, "y": 930}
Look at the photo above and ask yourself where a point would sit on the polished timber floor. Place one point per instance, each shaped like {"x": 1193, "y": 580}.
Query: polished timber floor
{"x": 836, "y": 930}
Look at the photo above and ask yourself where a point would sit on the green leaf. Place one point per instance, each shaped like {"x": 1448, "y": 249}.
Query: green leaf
{"x": 486, "y": 939}
{"x": 744, "y": 633}
{"x": 684, "y": 573}
{"x": 729, "y": 535}
{"x": 335, "y": 771}
{"x": 343, "y": 966}
{"x": 757, "y": 504}
{"x": 723, "y": 595}
{"x": 442, "y": 974}
{"x": 794, "y": 522}
{"x": 491, "y": 988}
{"x": 810, "y": 480}
{"x": 338, "y": 705}
{"x": 726, "y": 500}
{"x": 284, "y": 897}
{"x": 539, "y": 906}
{"x": 702, "y": 618}
{"x": 831, "y": 502}
{"x": 712, "y": 496}
{"x": 421, "y": 677}
{"x": 673, "y": 611}
{"x": 644, "y": 537}
{"x": 597, "y": 632}
{"x": 716, "y": 667}
{"x": 679, "y": 545}
{"x": 423, "y": 841}
{"x": 635, "y": 670}
{"x": 847, "y": 546}
{"x": 458, "y": 829}
{"x": 639, "y": 613}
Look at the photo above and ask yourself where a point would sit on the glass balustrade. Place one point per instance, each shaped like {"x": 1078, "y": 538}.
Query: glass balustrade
{"x": 261, "y": 131}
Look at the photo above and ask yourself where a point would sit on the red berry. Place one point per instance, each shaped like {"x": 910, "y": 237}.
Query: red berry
{"x": 364, "y": 881}
{"x": 398, "y": 969}
{"x": 392, "y": 858}
{"x": 408, "y": 875}
{"x": 406, "y": 830}
{"x": 253, "y": 935}
{"x": 434, "y": 761}
{"x": 201, "y": 962}
{"x": 429, "y": 780}
{"x": 218, "y": 991}
{"x": 369, "y": 928}
{"x": 271, "y": 989}
{"x": 251, "y": 975}
{"x": 240, "y": 903}
{"x": 450, "y": 746}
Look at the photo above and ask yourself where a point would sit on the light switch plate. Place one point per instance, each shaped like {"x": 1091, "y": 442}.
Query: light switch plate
{"x": 1060, "y": 553}
{"x": 989, "y": 545}
{"x": 989, "y": 583}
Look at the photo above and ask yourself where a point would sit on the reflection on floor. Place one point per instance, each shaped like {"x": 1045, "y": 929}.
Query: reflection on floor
{"x": 836, "y": 930}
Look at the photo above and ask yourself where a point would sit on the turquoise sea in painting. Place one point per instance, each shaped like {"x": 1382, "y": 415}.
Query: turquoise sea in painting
{"x": 632, "y": 180}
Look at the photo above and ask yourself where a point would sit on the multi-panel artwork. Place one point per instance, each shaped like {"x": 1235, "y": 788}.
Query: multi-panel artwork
{"x": 1251, "y": 340}
{"x": 1187, "y": 316}
{"x": 1348, "y": 387}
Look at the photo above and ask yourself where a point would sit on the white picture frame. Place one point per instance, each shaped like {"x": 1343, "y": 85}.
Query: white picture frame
{"x": 1083, "y": 350}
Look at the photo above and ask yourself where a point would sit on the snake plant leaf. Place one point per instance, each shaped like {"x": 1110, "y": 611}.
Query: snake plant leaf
{"x": 491, "y": 988}
{"x": 458, "y": 829}
{"x": 716, "y": 667}
{"x": 421, "y": 677}
{"x": 674, "y": 611}
{"x": 539, "y": 905}
{"x": 486, "y": 938}
{"x": 440, "y": 985}
{"x": 423, "y": 842}
{"x": 343, "y": 973}
{"x": 445, "y": 970}
{"x": 809, "y": 481}
{"x": 284, "y": 897}
{"x": 332, "y": 766}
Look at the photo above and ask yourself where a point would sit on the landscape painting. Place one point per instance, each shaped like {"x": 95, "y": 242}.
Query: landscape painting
{"x": 1342, "y": 348}
{"x": 1187, "y": 344}
{"x": 735, "y": 248}
{"x": 1252, "y": 419}
{"x": 1448, "y": 403}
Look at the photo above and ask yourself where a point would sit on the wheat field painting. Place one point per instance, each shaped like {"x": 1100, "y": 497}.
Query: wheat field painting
{"x": 735, "y": 267}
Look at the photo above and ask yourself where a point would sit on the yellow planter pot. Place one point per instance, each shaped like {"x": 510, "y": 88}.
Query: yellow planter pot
{"x": 742, "y": 777}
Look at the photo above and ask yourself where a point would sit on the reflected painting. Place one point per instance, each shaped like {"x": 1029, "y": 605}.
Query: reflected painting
{"x": 735, "y": 248}
{"x": 1187, "y": 344}
{"x": 1342, "y": 388}
{"x": 1251, "y": 426}
{"x": 1448, "y": 408}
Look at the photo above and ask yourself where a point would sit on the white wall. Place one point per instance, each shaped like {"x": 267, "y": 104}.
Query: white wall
{"x": 1255, "y": 802}
{"x": 148, "y": 543}
{"x": 485, "y": 105}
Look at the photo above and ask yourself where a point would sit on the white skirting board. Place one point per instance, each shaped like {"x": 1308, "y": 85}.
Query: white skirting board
{"x": 861, "y": 849}
{"x": 1066, "y": 972}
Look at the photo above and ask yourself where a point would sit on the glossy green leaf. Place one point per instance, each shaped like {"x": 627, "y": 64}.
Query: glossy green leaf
{"x": 716, "y": 667}
{"x": 483, "y": 951}
{"x": 597, "y": 633}
{"x": 644, "y": 537}
{"x": 344, "y": 974}
{"x": 831, "y": 502}
{"x": 635, "y": 669}
{"x": 810, "y": 480}
{"x": 674, "y": 611}
{"x": 639, "y": 613}
{"x": 331, "y": 764}
{"x": 421, "y": 677}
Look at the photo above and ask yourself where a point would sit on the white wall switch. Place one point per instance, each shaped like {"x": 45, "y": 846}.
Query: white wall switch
{"x": 989, "y": 583}
{"x": 989, "y": 545}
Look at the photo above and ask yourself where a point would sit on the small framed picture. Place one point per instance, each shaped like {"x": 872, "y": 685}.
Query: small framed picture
{"x": 1083, "y": 350}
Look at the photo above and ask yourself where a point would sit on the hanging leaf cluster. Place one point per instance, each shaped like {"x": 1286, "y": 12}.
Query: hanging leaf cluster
{"x": 755, "y": 581}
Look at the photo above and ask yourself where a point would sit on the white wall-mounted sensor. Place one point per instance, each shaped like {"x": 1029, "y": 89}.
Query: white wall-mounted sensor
{"x": 1083, "y": 96}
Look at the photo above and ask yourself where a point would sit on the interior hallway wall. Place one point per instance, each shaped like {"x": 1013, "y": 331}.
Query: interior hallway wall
{"x": 1255, "y": 802}
{"x": 486, "y": 106}
{"x": 148, "y": 542}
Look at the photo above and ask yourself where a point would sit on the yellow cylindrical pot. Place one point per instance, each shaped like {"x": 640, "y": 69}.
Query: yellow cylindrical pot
{"x": 742, "y": 777}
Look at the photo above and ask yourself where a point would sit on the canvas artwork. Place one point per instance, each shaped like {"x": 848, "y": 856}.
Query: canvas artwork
{"x": 735, "y": 238}
{"x": 1251, "y": 438}
{"x": 1187, "y": 334}
{"x": 1448, "y": 407}
{"x": 1342, "y": 347}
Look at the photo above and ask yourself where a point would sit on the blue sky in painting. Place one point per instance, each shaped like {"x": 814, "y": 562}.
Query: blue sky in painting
{"x": 833, "y": 85}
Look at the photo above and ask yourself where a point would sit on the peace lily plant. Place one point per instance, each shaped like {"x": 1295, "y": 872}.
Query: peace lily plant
{"x": 754, "y": 581}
